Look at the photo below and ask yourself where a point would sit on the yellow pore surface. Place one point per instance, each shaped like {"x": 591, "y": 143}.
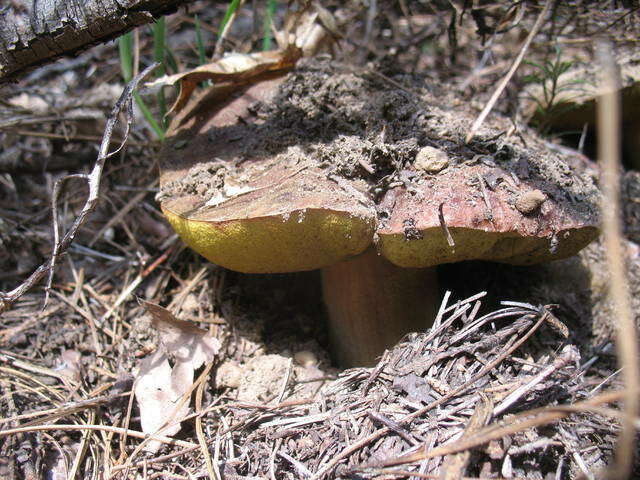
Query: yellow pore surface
{"x": 304, "y": 240}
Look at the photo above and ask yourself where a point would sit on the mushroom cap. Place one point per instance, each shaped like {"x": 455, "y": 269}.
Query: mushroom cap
{"x": 495, "y": 220}
{"x": 333, "y": 163}
{"x": 267, "y": 215}
{"x": 301, "y": 223}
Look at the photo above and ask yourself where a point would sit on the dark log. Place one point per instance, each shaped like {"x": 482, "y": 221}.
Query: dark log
{"x": 34, "y": 32}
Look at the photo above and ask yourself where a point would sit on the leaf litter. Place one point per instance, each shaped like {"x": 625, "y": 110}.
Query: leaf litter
{"x": 166, "y": 377}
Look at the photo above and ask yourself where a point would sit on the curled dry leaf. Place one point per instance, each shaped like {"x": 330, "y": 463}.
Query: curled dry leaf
{"x": 158, "y": 392}
{"x": 183, "y": 340}
{"x": 236, "y": 68}
{"x": 160, "y": 386}
{"x": 305, "y": 32}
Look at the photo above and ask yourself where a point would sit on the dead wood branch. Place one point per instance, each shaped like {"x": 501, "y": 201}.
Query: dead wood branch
{"x": 124, "y": 104}
{"x": 34, "y": 33}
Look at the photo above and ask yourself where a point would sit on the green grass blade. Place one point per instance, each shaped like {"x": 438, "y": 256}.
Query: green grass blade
{"x": 233, "y": 6}
{"x": 266, "y": 26}
{"x": 125, "y": 47}
{"x": 202, "y": 58}
{"x": 159, "y": 41}
{"x": 172, "y": 63}
{"x": 159, "y": 131}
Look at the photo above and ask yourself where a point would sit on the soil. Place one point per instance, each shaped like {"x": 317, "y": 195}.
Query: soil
{"x": 275, "y": 406}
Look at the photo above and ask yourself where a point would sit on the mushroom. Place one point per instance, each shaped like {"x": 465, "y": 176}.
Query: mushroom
{"x": 247, "y": 197}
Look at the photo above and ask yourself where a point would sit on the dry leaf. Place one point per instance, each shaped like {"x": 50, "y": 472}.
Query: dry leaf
{"x": 157, "y": 393}
{"x": 233, "y": 68}
{"x": 183, "y": 340}
{"x": 70, "y": 365}
{"x": 160, "y": 387}
{"x": 304, "y": 33}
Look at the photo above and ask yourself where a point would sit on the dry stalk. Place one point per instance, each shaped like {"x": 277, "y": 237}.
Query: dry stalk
{"x": 214, "y": 474}
{"x": 609, "y": 155}
{"x": 516, "y": 63}
{"x": 219, "y": 47}
{"x": 106, "y": 428}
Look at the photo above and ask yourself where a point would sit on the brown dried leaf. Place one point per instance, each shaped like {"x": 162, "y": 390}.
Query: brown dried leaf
{"x": 160, "y": 387}
{"x": 183, "y": 340}
{"x": 70, "y": 365}
{"x": 158, "y": 391}
{"x": 234, "y": 68}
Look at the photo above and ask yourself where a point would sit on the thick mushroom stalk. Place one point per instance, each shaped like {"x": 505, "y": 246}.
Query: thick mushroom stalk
{"x": 372, "y": 304}
{"x": 304, "y": 222}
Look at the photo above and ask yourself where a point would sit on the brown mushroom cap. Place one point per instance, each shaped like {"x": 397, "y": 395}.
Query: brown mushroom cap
{"x": 260, "y": 212}
{"x": 494, "y": 220}
{"x": 281, "y": 217}
{"x": 300, "y": 223}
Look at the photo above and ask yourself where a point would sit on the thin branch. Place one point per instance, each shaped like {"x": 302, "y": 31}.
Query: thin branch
{"x": 93, "y": 179}
{"x": 503, "y": 83}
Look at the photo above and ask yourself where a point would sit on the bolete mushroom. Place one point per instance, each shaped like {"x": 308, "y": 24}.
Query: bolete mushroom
{"x": 265, "y": 180}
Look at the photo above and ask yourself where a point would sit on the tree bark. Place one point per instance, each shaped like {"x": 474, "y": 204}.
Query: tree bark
{"x": 34, "y": 32}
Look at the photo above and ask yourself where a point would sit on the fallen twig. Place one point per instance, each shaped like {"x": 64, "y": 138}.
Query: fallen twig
{"x": 93, "y": 179}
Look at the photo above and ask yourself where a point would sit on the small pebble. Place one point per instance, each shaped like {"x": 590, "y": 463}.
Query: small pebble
{"x": 305, "y": 358}
{"x": 530, "y": 201}
{"x": 431, "y": 160}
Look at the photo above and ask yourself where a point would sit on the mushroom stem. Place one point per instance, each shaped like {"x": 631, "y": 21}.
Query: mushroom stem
{"x": 372, "y": 304}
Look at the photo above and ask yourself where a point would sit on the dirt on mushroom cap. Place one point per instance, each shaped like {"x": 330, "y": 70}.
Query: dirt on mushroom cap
{"x": 358, "y": 134}
{"x": 478, "y": 205}
{"x": 302, "y": 222}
